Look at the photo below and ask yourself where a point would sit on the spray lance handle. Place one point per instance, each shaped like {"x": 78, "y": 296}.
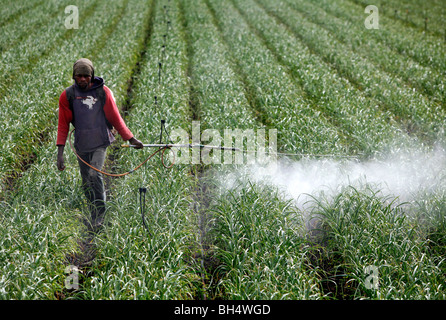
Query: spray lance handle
{"x": 163, "y": 122}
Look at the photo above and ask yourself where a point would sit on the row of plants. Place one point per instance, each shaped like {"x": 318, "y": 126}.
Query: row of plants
{"x": 391, "y": 237}
{"x": 18, "y": 29}
{"x": 272, "y": 91}
{"x": 419, "y": 115}
{"x": 160, "y": 262}
{"x": 365, "y": 125}
{"x": 371, "y": 247}
{"x": 217, "y": 92}
{"x": 261, "y": 246}
{"x": 29, "y": 102}
{"x": 257, "y": 236}
{"x": 426, "y": 79}
{"x": 253, "y": 249}
{"x": 10, "y": 10}
{"x": 21, "y": 58}
{"x": 423, "y": 48}
{"x": 422, "y": 16}
{"x": 42, "y": 216}
{"x": 221, "y": 100}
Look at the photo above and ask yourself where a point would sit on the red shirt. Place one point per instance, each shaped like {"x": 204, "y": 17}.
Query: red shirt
{"x": 111, "y": 113}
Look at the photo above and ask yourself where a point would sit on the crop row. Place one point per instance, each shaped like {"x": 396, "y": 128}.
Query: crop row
{"x": 42, "y": 215}
{"x": 238, "y": 231}
{"x": 426, "y": 16}
{"x": 418, "y": 114}
{"x": 256, "y": 242}
{"x": 364, "y": 124}
{"x": 18, "y": 29}
{"x": 11, "y": 10}
{"x": 26, "y": 103}
{"x": 217, "y": 92}
{"x": 220, "y": 95}
{"x": 428, "y": 80}
{"x": 370, "y": 235}
{"x": 256, "y": 264}
{"x": 22, "y": 57}
{"x": 261, "y": 247}
{"x": 426, "y": 50}
{"x": 277, "y": 99}
{"x": 158, "y": 263}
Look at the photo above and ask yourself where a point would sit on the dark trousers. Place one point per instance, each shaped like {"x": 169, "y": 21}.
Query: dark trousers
{"x": 93, "y": 183}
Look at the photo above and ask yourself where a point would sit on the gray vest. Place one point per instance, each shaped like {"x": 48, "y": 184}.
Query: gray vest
{"x": 92, "y": 130}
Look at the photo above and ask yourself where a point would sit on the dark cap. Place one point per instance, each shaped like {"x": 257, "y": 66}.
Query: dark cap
{"x": 83, "y": 67}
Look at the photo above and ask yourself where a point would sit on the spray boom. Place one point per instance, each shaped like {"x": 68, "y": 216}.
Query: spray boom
{"x": 201, "y": 146}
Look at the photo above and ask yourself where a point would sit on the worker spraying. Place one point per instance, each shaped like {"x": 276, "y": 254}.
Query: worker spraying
{"x": 90, "y": 106}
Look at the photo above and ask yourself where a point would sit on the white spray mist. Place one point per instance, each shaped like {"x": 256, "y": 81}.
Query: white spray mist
{"x": 404, "y": 174}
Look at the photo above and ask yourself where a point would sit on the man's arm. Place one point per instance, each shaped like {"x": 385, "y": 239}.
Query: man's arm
{"x": 114, "y": 117}
{"x": 65, "y": 117}
{"x": 60, "y": 159}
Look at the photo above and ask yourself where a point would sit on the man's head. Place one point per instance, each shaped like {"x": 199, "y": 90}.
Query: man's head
{"x": 83, "y": 72}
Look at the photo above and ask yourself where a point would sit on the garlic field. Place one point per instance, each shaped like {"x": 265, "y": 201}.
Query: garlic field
{"x": 351, "y": 207}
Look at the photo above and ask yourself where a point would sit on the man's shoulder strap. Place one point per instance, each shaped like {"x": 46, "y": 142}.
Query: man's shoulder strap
{"x": 70, "y": 96}
{"x": 100, "y": 92}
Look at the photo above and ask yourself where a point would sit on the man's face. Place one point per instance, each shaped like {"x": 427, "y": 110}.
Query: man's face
{"x": 83, "y": 80}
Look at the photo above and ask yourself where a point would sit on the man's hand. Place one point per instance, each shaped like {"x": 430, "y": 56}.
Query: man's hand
{"x": 138, "y": 144}
{"x": 60, "y": 159}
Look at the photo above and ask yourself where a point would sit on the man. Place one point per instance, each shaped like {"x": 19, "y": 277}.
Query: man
{"x": 91, "y": 107}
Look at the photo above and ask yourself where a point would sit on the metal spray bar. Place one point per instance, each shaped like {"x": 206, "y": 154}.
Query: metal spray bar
{"x": 201, "y": 146}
